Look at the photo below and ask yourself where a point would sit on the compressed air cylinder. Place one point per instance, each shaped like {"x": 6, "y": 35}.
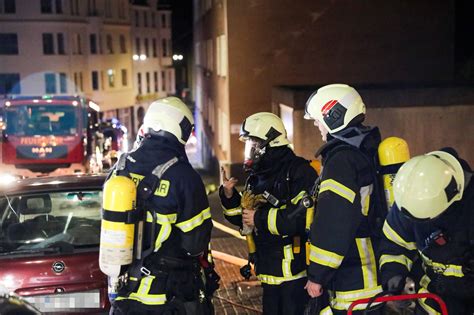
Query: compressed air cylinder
{"x": 393, "y": 152}
{"x": 116, "y": 238}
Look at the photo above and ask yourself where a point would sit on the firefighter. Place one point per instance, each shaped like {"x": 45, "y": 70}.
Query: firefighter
{"x": 343, "y": 265}
{"x": 177, "y": 230}
{"x": 432, "y": 224}
{"x": 277, "y": 181}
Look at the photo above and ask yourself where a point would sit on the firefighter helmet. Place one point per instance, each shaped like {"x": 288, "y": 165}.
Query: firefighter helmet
{"x": 336, "y": 106}
{"x": 169, "y": 115}
{"x": 259, "y": 131}
{"x": 426, "y": 185}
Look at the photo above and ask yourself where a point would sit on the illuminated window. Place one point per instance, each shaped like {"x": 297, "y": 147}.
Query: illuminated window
{"x": 111, "y": 78}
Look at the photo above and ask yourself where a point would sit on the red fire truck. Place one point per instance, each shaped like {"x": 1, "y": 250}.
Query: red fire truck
{"x": 50, "y": 135}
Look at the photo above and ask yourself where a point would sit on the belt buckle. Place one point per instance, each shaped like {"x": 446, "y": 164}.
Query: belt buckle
{"x": 145, "y": 271}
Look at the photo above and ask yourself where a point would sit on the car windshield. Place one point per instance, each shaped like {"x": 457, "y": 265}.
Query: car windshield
{"x": 65, "y": 220}
{"x": 30, "y": 120}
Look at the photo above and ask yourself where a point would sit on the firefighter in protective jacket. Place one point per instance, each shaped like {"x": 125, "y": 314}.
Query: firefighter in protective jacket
{"x": 343, "y": 265}
{"x": 283, "y": 178}
{"x": 177, "y": 228}
{"x": 430, "y": 232}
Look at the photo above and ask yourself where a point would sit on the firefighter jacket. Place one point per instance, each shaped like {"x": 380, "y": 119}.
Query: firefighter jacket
{"x": 279, "y": 237}
{"x": 178, "y": 211}
{"x": 342, "y": 256}
{"x": 444, "y": 248}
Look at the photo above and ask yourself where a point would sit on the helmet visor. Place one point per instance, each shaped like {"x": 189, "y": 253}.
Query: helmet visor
{"x": 252, "y": 151}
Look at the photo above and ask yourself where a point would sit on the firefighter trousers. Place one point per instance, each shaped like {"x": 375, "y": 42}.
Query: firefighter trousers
{"x": 288, "y": 298}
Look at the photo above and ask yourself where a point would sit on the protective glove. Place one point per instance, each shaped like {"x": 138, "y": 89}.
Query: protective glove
{"x": 395, "y": 284}
{"x": 250, "y": 201}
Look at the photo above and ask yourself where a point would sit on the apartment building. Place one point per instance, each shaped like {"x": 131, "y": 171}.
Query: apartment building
{"x": 267, "y": 55}
{"x": 87, "y": 47}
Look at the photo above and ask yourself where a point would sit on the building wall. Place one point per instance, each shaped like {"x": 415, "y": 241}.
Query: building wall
{"x": 276, "y": 42}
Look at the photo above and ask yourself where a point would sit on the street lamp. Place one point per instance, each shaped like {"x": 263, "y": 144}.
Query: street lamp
{"x": 177, "y": 57}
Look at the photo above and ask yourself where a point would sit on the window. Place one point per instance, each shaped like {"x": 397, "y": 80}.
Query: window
{"x": 92, "y": 8}
{"x": 111, "y": 78}
{"x": 51, "y": 6}
{"x": 50, "y": 83}
{"x": 163, "y": 80}
{"x": 145, "y": 19}
{"x": 121, "y": 9}
{"x": 46, "y": 6}
{"x": 137, "y": 19}
{"x": 10, "y": 83}
{"x": 59, "y": 6}
{"x": 153, "y": 48}
{"x": 146, "y": 47}
{"x": 163, "y": 21}
{"x": 48, "y": 44}
{"x": 124, "y": 77}
{"x": 95, "y": 80}
{"x": 210, "y": 55}
{"x": 148, "y": 82}
{"x": 139, "y": 83}
{"x": 221, "y": 55}
{"x": 153, "y": 19}
{"x": 81, "y": 82}
{"x": 8, "y": 44}
{"x": 74, "y": 5}
{"x": 123, "y": 44}
{"x": 164, "y": 43}
{"x": 61, "y": 50}
{"x": 109, "y": 42}
{"x": 93, "y": 43}
{"x": 9, "y": 6}
{"x": 62, "y": 83}
{"x": 155, "y": 77}
{"x": 75, "y": 82}
{"x": 108, "y": 9}
{"x": 137, "y": 46}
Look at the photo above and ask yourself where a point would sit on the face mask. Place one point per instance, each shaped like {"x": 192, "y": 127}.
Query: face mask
{"x": 253, "y": 153}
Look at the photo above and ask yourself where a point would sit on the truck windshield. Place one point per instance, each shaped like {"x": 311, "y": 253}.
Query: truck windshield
{"x": 30, "y": 120}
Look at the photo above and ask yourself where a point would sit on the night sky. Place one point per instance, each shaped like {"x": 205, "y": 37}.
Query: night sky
{"x": 182, "y": 17}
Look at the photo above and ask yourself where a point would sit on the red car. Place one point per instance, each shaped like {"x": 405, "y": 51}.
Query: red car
{"x": 49, "y": 243}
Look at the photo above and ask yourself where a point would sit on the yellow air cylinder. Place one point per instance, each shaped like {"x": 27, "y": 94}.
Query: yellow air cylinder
{"x": 393, "y": 152}
{"x": 116, "y": 238}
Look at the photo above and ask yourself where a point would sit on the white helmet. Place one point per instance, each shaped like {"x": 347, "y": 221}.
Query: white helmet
{"x": 170, "y": 115}
{"x": 335, "y": 106}
{"x": 259, "y": 131}
{"x": 426, "y": 185}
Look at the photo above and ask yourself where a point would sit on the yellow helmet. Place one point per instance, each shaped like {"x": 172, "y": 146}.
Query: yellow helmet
{"x": 335, "y": 106}
{"x": 169, "y": 115}
{"x": 426, "y": 185}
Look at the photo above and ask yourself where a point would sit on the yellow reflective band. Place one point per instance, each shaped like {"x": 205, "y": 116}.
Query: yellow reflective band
{"x": 324, "y": 257}
{"x": 271, "y": 221}
{"x": 326, "y": 311}
{"x": 195, "y": 221}
{"x": 298, "y": 197}
{"x": 232, "y": 212}
{"x": 165, "y": 232}
{"x": 367, "y": 260}
{"x": 426, "y": 307}
{"x": 395, "y": 238}
{"x": 273, "y": 280}
{"x": 338, "y": 189}
{"x": 425, "y": 281}
{"x": 440, "y": 268}
{"x": 401, "y": 259}
{"x": 341, "y": 300}
{"x": 286, "y": 261}
{"x": 162, "y": 218}
{"x": 142, "y": 295}
{"x": 365, "y": 199}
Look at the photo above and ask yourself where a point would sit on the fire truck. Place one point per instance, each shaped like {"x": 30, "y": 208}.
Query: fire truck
{"x": 50, "y": 135}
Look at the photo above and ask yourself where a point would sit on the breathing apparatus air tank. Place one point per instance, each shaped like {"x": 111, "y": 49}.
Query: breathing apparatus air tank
{"x": 116, "y": 235}
{"x": 392, "y": 152}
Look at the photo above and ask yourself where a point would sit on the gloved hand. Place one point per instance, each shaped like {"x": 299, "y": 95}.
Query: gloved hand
{"x": 250, "y": 201}
{"x": 395, "y": 284}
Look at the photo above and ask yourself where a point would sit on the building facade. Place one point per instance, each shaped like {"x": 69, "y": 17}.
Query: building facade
{"x": 246, "y": 50}
{"x": 67, "y": 47}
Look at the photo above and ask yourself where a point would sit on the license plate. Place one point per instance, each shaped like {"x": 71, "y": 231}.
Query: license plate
{"x": 66, "y": 301}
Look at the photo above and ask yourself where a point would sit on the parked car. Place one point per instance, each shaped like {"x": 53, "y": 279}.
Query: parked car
{"x": 49, "y": 242}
